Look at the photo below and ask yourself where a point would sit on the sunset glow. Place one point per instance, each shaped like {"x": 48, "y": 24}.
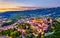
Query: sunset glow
{"x": 20, "y": 4}
{"x": 14, "y": 7}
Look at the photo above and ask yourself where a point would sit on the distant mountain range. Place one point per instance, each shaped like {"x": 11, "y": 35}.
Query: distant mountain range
{"x": 52, "y": 12}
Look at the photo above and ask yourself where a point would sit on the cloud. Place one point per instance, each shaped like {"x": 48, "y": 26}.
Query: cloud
{"x": 15, "y": 6}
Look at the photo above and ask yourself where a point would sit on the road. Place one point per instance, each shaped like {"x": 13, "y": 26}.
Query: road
{"x": 10, "y": 26}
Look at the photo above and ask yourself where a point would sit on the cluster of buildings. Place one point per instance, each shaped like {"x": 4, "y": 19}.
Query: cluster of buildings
{"x": 39, "y": 25}
{"x": 58, "y": 19}
{"x": 4, "y": 20}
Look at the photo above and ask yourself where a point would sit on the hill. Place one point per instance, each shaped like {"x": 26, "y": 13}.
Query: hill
{"x": 52, "y": 12}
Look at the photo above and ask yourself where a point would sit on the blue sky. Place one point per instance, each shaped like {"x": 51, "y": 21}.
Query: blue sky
{"x": 4, "y": 4}
{"x": 38, "y": 3}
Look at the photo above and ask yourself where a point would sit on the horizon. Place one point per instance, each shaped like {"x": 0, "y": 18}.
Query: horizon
{"x": 29, "y": 8}
{"x": 18, "y": 5}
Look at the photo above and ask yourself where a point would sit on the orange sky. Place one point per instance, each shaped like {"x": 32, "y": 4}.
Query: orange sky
{"x": 12, "y": 7}
{"x": 8, "y": 5}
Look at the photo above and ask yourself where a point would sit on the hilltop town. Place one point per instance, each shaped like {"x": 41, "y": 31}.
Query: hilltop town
{"x": 28, "y": 27}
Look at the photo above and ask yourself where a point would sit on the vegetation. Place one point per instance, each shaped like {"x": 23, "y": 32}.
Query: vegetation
{"x": 10, "y": 32}
{"x": 9, "y": 23}
{"x": 28, "y": 34}
{"x": 57, "y": 30}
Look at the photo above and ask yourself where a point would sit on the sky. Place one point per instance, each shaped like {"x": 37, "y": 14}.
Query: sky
{"x": 8, "y": 5}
